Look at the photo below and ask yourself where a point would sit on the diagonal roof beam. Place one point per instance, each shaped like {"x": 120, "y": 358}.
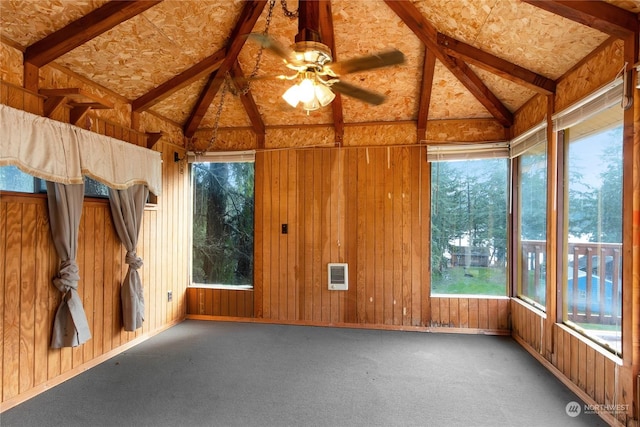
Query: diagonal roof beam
{"x": 428, "y": 70}
{"x": 197, "y": 71}
{"x": 428, "y": 34}
{"x": 248, "y": 103}
{"x": 598, "y": 15}
{"x": 327, "y": 36}
{"x": 495, "y": 65}
{"x": 248, "y": 17}
{"x": 84, "y": 29}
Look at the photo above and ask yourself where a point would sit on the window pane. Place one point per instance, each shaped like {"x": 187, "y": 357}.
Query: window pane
{"x": 223, "y": 223}
{"x": 593, "y": 267}
{"x": 469, "y": 227}
{"x": 13, "y": 179}
{"x": 533, "y": 225}
{"x": 94, "y": 188}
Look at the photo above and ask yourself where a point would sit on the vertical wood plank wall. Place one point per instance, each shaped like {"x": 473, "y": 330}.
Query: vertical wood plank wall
{"x": 28, "y": 262}
{"x": 367, "y": 207}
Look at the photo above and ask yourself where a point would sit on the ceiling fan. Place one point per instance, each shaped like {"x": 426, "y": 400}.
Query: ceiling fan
{"x": 317, "y": 77}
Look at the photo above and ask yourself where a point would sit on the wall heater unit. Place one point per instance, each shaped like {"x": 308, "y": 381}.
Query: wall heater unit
{"x": 338, "y": 276}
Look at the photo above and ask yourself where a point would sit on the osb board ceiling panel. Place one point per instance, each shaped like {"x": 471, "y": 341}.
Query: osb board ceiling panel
{"x": 512, "y": 95}
{"x": 149, "y": 49}
{"x": 178, "y": 106}
{"x": 535, "y": 39}
{"x": 26, "y": 22}
{"x": 450, "y": 99}
{"x": 630, "y": 5}
{"x": 366, "y": 27}
{"x": 460, "y": 19}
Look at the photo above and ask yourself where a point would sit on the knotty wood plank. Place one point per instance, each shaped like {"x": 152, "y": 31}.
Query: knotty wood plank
{"x": 44, "y": 272}
{"x": 109, "y": 285}
{"x": 292, "y": 242}
{"x": 610, "y": 381}
{"x": 599, "y": 377}
{"x": 27, "y": 296}
{"x": 463, "y": 312}
{"x": 590, "y": 359}
{"x": 474, "y": 320}
{"x": 424, "y": 196}
{"x": 378, "y": 161}
{"x": 350, "y": 244}
{"x": 98, "y": 280}
{"x": 361, "y": 238}
{"x": 445, "y": 315}
{"x": 389, "y": 231}
{"x": 11, "y": 326}
{"x": 77, "y": 353}
{"x": 224, "y": 303}
{"x": 233, "y": 303}
{"x": 435, "y": 312}
{"x": 217, "y": 301}
{"x": 267, "y": 235}
{"x": 333, "y": 226}
{"x": 321, "y": 299}
{"x": 259, "y": 231}
{"x": 483, "y": 313}
{"x": 308, "y": 203}
{"x": 420, "y": 288}
{"x": 573, "y": 359}
{"x": 405, "y": 237}
{"x": 88, "y": 275}
{"x": 503, "y": 314}
{"x": 582, "y": 365}
{"x": 326, "y": 236}
{"x": 559, "y": 347}
{"x": 283, "y": 239}
{"x": 274, "y": 285}
{"x": 492, "y": 311}
{"x": 454, "y": 314}
{"x": 398, "y": 170}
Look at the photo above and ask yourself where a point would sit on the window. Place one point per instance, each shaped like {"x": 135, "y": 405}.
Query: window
{"x": 532, "y": 220}
{"x": 592, "y": 288}
{"x": 222, "y": 252}
{"x": 469, "y": 227}
{"x": 13, "y": 179}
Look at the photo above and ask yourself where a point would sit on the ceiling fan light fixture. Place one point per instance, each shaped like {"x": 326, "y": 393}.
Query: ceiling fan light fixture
{"x": 324, "y": 95}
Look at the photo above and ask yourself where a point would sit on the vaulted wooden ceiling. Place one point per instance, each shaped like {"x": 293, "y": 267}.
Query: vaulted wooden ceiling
{"x": 465, "y": 59}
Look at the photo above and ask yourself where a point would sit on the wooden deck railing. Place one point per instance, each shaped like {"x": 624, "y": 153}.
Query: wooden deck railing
{"x": 594, "y": 270}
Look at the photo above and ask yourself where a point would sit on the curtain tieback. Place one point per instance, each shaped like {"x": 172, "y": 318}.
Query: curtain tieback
{"x": 133, "y": 260}
{"x": 67, "y": 277}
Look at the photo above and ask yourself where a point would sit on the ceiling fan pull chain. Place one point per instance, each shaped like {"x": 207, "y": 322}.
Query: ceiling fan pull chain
{"x": 288, "y": 13}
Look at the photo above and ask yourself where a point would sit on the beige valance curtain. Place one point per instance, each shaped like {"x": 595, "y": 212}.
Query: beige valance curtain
{"x": 63, "y": 153}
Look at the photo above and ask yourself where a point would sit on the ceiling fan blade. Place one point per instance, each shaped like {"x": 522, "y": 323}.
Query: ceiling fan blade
{"x": 358, "y": 93}
{"x": 269, "y": 43}
{"x": 382, "y": 59}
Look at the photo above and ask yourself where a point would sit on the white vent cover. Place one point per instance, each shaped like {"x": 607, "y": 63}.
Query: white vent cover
{"x": 338, "y": 276}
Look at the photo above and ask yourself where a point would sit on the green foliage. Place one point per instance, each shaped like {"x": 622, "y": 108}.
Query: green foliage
{"x": 223, "y": 223}
{"x": 468, "y": 207}
{"x": 471, "y": 281}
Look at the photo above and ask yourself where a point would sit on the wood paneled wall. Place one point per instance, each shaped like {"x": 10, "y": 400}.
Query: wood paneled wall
{"x": 28, "y": 262}
{"x": 367, "y": 207}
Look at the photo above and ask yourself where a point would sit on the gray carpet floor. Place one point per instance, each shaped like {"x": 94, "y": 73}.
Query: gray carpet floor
{"x": 201, "y": 373}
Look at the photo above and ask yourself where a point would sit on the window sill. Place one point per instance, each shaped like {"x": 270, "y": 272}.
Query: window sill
{"x": 225, "y": 287}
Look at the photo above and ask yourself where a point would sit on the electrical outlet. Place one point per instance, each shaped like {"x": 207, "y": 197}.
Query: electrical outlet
{"x": 169, "y": 296}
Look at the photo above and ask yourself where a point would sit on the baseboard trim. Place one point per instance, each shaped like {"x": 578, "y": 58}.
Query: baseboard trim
{"x": 432, "y": 329}
{"x": 40, "y": 388}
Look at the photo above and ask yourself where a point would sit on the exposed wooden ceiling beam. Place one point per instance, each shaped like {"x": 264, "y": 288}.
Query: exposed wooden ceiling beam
{"x": 327, "y": 35}
{"x": 428, "y": 34}
{"x": 428, "y": 70}
{"x": 598, "y": 15}
{"x": 197, "y": 71}
{"x": 84, "y": 29}
{"x": 247, "y": 99}
{"x": 248, "y": 17}
{"x": 495, "y": 65}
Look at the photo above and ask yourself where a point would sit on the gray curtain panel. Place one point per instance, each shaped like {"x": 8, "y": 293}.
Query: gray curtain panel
{"x": 70, "y": 326}
{"x": 127, "y": 207}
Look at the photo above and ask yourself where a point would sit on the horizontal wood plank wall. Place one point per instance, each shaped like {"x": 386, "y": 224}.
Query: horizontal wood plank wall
{"x": 585, "y": 365}
{"x": 367, "y": 207}
{"x": 28, "y": 261}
